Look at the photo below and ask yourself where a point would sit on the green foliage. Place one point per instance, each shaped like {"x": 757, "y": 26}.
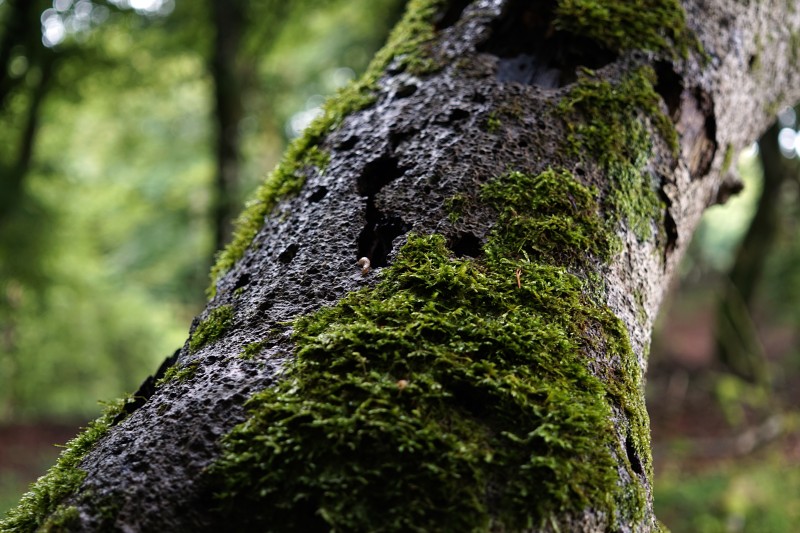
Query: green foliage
{"x": 654, "y": 25}
{"x": 40, "y": 506}
{"x": 756, "y": 496}
{"x": 605, "y": 127}
{"x": 454, "y": 385}
{"x": 217, "y": 321}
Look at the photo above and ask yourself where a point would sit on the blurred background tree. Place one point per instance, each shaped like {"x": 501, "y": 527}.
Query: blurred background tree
{"x": 132, "y": 131}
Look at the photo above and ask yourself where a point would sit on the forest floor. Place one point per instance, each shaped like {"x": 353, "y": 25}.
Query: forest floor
{"x": 726, "y": 454}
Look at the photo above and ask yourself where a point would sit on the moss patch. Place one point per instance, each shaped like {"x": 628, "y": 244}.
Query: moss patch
{"x": 549, "y": 217}
{"x": 39, "y": 507}
{"x": 179, "y": 373}
{"x": 407, "y": 47}
{"x": 253, "y": 349}
{"x": 604, "y": 126}
{"x": 217, "y": 321}
{"x": 654, "y": 25}
{"x": 493, "y": 122}
{"x": 455, "y": 206}
{"x": 454, "y": 395}
{"x": 64, "y": 518}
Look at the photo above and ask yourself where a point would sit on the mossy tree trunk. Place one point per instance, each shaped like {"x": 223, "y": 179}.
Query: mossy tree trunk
{"x": 523, "y": 178}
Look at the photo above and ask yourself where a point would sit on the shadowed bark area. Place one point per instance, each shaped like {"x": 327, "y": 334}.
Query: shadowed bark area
{"x": 522, "y": 204}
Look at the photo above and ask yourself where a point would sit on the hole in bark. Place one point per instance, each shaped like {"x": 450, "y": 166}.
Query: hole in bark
{"x": 398, "y": 136}
{"x": 288, "y": 254}
{"x": 697, "y": 128}
{"x": 406, "y": 90}
{"x": 466, "y": 244}
{"x": 633, "y": 457}
{"x": 377, "y": 174}
{"x": 243, "y": 280}
{"x": 348, "y": 143}
{"x": 458, "y": 114}
{"x": 543, "y": 56}
{"x": 452, "y": 14}
{"x": 318, "y": 194}
{"x": 670, "y": 87}
{"x": 670, "y": 227}
{"x": 375, "y": 241}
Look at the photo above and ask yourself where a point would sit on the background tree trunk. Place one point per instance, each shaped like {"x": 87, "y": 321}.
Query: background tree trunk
{"x": 229, "y": 26}
{"x": 523, "y": 179}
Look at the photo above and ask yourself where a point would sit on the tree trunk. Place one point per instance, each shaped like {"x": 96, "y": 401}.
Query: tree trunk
{"x": 228, "y": 21}
{"x": 738, "y": 345}
{"x": 521, "y": 179}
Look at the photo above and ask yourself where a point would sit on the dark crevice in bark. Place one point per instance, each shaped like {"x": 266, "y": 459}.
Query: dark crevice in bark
{"x": 466, "y": 245}
{"x": 146, "y": 389}
{"x": 396, "y": 137}
{"x": 670, "y": 226}
{"x": 348, "y": 143}
{"x": 458, "y": 115}
{"x": 318, "y": 194}
{"x": 289, "y": 253}
{"x": 697, "y": 127}
{"x": 633, "y": 457}
{"x": 452, "y": 14}
{"x": 406, "y": 90}
{"x": 242, "y": 281}
{"x": 379, "y": 173}
{"x": 669, "y": 86}
{"x": 375, "y": 240}
{"x": 531, "y": 51}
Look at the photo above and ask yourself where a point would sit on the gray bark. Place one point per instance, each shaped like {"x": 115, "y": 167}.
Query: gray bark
{"x": 392, "y": 166}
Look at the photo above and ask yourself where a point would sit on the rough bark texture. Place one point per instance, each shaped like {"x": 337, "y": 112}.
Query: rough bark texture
{"x": 498, "y": 99}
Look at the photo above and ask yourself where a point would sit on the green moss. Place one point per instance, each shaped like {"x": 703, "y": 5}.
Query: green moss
{"x": 653, "y": 25}
{"x": 604, "y": 121}
{"x": 253, "y": 349}
{"x": 407, "y": 47}
{"x": 455, "y": 206}
{"x": 549, "y": 218}
{"x": 64, "y": 518}
{"x": 727, "y": 160}
{"x": 179, "y": 373}
{"x": 453, "y": 387}
{"x": 39, "y": 507}
{"x": 493, "y": 122}
{"x": 217, "y": 321}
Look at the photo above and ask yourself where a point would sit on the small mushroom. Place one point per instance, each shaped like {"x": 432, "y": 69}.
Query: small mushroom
{"x": 364, "y": 264}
